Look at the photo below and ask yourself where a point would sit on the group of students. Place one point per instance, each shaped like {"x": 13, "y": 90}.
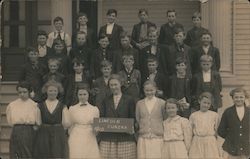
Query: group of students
{"x": 67, "y": 82}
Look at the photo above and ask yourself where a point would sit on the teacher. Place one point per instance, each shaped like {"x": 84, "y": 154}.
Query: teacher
{"x": 118, "y": 105}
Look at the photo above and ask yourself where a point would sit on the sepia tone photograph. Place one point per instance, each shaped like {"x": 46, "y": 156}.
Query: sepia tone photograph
{"x": 125, "y": 79}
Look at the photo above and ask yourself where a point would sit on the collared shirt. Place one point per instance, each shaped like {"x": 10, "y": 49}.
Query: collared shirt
{"x": 116, "y": 99}
{"x": 78, "y": 77}
{"x": 152, "y": 76}
{"x": 240, "y": 112}
{"x": 42, "y": 50}
{"x": 153, "y": 49}
{"x": 51, "y": 105}
{"x": 143, "y": 32}
{"x": 150, "y": 103}
{"x": 53, "y": 35}
{"x": 205, "y": 48}
{"x": 206, "y": 76}
{"x": 110, "y": 28}
{"x": 106, "y": 80}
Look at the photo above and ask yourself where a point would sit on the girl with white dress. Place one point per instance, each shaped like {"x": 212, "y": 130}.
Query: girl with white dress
{"x": 150, "y": 115}
{"x": 204, "y": 124}
{"x": 82, "y": 139}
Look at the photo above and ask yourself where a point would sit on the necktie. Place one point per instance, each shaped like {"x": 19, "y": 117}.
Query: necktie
{"x": 59, "y": 36}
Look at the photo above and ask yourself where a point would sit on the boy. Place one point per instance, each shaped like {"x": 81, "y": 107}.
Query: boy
{"x": 131, "y": 76}
{"x": 42, "y": 48}
{"x": 207, "y": 80}
{"x": 140, "y": 31}
{"x": 81, "y": 51}
{"x": 176, "y": 50}
{"x": 167, "y": 30}
{"x": 112, "y": 30}
{"x": 156, "y": 76}
{"x": 194, "y": 34}
{"x": 32, "y": 72}
{"x": 78, "y": 77}
{"x": 100, "y": 89}
{"x": 59, "y": 34}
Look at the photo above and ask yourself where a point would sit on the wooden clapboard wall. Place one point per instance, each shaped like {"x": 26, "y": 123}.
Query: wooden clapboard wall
{"x": 128, "y": 11}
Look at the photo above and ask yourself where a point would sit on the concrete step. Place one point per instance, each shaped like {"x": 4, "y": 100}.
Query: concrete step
{"x": 3, "y": 117}
{"x": 5, "y": 133}
{"x": 4, "y": 155}
{"x": 3, "y": 107}
{"x": 7, "y": 98}
{"x": 4, "y": 146}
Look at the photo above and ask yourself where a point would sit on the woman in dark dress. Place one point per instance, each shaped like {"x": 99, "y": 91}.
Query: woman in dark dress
{"x": 51, "y": 137}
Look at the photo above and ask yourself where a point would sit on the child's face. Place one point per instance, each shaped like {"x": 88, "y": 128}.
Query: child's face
{"x": 59, "y": 48}
{"x": 58, "y": 25}
{"x": 115, "y": 86}
{"x": 196, "y": 21}
{"x": 152, "y": 66}
{"x": 41, "y": 40}
{"x": 78, "y": 68}
{"x": 205, "y": 104}
{"x": 83, "y": 95}
{"x": 179, "y": 37}
{"x": 171, "y": 109}
{"x": 106, "y": 71}
{"x": 171, "y": 17}
{"x": 23, "y": 93}
{"x": 33, "y": 56}
{"x": 104, "y": 42}
{"x": 239, "y": 98}
{"x": 111, "y": 18}
{"x": 80, "y": 39}
{"x": 206, "y": 39}
{"x": 149, "y": 90}
{"x": 206, "y": 65}
{"x": 143, "y": 16}
{"x": 52, "y": 92}
{"x": 181, "y": 67}
{"x": 125, "y": 42}
{"x": 128, "y": 62}
{"x": 53, "y": 67}
{"x": 82, "y": 20}
{"x": 153, "y": 37}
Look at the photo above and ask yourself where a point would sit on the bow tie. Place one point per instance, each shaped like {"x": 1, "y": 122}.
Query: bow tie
{"x": 83, "y": 104}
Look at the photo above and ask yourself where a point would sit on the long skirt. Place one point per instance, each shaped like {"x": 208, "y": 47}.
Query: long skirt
{"x": 82, "y": 143}
{"x": 21, "y": 141}
{"x": 118, "y": 150}
{"x": 204, "y": 147}
{"x": 149, "y": 148}
{"x": 174, "y": 150}
{"x": 51, "y": 142}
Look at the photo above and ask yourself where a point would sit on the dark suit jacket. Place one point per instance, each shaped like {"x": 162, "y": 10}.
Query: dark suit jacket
{"x": 135, "y": 37}
{"x": 193, "y": 36}
{"x": 235, "y": 132}
{"x": 169, "y": 59}
{"x": 114, "y": 38}
{"x": 167, "y": 33}
{"x": 216, "y": 84}
{"x": 44, "y": 59}
{"x": 91, "y": 38}
{"x": 198, "y": 52}
{"x": 125, "y": 109}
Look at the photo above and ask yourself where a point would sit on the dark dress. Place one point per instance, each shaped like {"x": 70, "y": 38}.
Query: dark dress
{"x": 51, "y": 139}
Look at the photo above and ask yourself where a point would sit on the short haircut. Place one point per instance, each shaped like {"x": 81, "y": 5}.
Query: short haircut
{"x": 83, "y": 86}
{"x": 51, "y": 60}
{"x": 81, "y": 14}
{"x": 125, "y": 34}
{"x": 78, "y": 61}
{"x": 116, "y": 77}
{"x": 106, "y": 63}
{"x": 237, "y": 90}
{"x": 149, "y": 82}
{"x": 207, "y": 95}
{"x": 42, "y": 32}
{"x": 153, "y": 31}
{"x": 102, "y": 36}
{"x": 31, "y": 49}
{"x": 180, "y": 60}
{"x": 110, "y": 11}
{"x": 206, "y": 58}
{"x": 24, "y": 84}
{"x": 196, "y": 15}
{"x": 81, "y": 32}
{"x": 143, "y": 10}
{"x": 178, "y": 30}
{"x": 152, "y": 59}
{"x": 206, "y": 32}
{"x": 171, "y": 10}
{"x": 53, "y": 83}
{"x": 56, "y": 19}
{"x": 172, "y": 101}
{"x": 58, "y": 42}
{"x": 128, "y": 57}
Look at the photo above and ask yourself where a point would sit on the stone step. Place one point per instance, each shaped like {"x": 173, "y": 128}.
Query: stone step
{"x": 5, "y": 133}
{"x": 3, "y": 117}
{"x": 7, "y": 98}
{"x": 4, "y": 155}
{"x": 4, "y": 146}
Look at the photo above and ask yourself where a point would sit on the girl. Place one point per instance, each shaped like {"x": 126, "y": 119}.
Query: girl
{"x": 234, "y": 127}
{"x": 82, "y": 26}
{"x": 118, "y": 105}
{"x": 150, "y": 115}
{"x": 177, "y": 133}
{"x": 204, "y": 123}
{"x": 82, "y": 140}
{"x": 22, "y": 114}
{"x": 51, "y": 139}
